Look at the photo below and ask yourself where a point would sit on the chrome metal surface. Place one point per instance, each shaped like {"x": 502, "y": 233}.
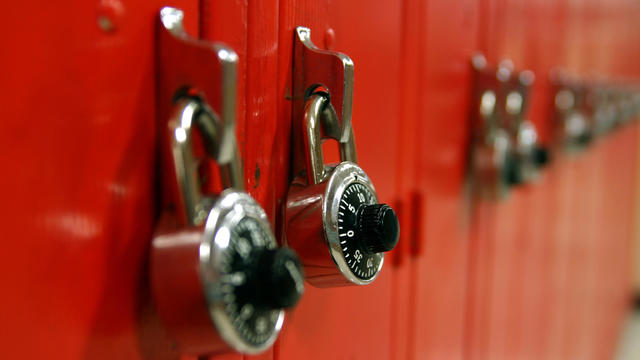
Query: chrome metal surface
{"x": 573, "y": 125}
{"x": 486, "y": 88}
{"x": 505, "y": 148}
{"x": 490, "y": 159}
{"x": 491, "y": 109}
{"x": 229, "y": 209}
{"x": 514, "y": 103}
{"x": 192, "y": 112}
{"x": 320, "y": 114}
{"x": 214, "y": 82}
{"x": 487, "y": 104}
{"x": 314, "y": 67}
{"x": 323, "y": 83}
{"x": 330, "y": 72}
{"x": 343, "y": 175}
{"x": 578, "y": 111}
{"x": 526, "y": 145}
{"x": 523, "y": 133}
{"x": 194, "y": 78}
{"x": 514, "y": 93}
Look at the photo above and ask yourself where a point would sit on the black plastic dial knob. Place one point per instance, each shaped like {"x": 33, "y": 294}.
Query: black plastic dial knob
{"x": 278, "y": 278}
{"x": 540, "y": 156}
{"x": 378, "y": 228}
{"x": 583, "y": 139}
{"x": 512, "y": 170}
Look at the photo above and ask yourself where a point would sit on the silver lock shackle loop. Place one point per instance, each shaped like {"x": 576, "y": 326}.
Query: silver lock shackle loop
{"x": 321, "y": 122}
{"x": 189, "y": 112}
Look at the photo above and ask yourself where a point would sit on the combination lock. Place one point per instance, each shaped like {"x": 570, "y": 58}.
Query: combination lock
{"x": 574, "y": 127}
{"x": 506, "y": 150}
{"x": 219, "y": 280}
{"x": 529, "y": 153}
{"x": 494, "y": 165}
{"x": 333, "y": 218}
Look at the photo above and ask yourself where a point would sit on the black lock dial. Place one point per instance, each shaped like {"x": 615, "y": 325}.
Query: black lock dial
{"x": 378, "y": 228}
{"x": 259, "y": 281}
{"x": 365, "y": 229}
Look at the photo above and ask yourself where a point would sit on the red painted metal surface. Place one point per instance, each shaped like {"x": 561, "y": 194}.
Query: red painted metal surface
{"x": 325, "y": 324}
{"x": 550, "y": 244}
{"x": 442, "y": 139}
{"x": 80, "y": 201}
{"x": 540, "y": 275}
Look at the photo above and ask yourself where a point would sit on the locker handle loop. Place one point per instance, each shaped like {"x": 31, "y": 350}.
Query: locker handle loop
{"x": 321, "y": 122}
{"x": 189, "y": 113}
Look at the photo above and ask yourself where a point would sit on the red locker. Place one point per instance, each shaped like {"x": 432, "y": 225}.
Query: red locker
{"x": 546, "y": 254}
{"x": 542, "y": 273}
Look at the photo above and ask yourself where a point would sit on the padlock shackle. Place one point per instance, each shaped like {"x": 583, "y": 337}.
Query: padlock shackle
{"x": 192, "y": 205}
{"x": 318, "y": 115}
{"x": 221, "y": 145}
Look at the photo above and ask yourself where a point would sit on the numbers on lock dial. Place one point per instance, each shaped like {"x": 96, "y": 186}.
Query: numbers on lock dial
{"x": 361, "y": 264}
{"x": 253, "y": 322}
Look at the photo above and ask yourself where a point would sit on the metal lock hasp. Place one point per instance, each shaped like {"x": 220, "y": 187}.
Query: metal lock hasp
{"x": 218, "y": 279}
{"x": 333, "y": 218}
{"x": 606, "y": 108}
{"x": 571, "y": 112}
{"x": 493, "y": 164}
{"x": 529, "y": 153}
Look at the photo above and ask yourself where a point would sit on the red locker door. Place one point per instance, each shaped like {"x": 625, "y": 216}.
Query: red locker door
{"x": 78, "y": 149}
{"x": 513, "y": 235}
{"x": 79, "y": 275}
{"x": 538, "y": 275}
{"x": 448, "y": 38}
{"x": 351, "y": 322}
{"x": 549, "y": 245}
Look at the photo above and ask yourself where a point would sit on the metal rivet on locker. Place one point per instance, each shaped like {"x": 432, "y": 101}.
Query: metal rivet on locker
{"x": 219, "y": 280}
{"x": 333, "y": 218}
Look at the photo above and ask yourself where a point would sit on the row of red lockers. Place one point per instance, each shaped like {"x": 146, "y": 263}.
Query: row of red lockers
{"x": 542, "y": 274}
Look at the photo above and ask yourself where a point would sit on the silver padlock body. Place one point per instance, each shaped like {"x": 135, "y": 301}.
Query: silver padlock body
{"x": 313, "y": 228}
{"x": 197, "y": 303}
